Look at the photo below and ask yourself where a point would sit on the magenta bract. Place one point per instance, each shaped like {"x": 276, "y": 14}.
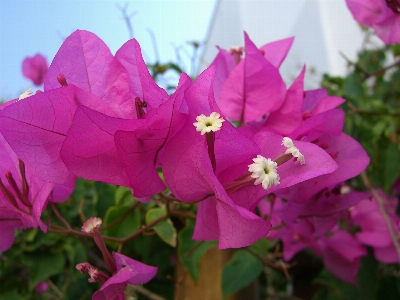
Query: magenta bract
{"x": 35, "y": 68}
{"x": 380, "y": 15}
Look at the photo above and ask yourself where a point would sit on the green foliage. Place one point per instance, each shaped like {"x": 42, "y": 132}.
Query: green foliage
{"x": 165, "y": 229}
{"x": 42, "y": 266}
{"x": 372, "y": 93}
{"x": 247, "y": 265}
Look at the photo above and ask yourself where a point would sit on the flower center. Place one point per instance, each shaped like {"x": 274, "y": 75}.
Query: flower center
{"x": 264, "y": 171}
{"x": 207, "y": 124}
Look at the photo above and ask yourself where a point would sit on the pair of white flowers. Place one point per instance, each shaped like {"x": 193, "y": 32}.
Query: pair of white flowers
{"x": 264, "y": 170}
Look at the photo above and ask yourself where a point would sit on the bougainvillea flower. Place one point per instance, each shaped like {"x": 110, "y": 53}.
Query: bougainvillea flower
{"x": 123, "y": 151}
{"x": 289, "y": 116}
{"x": 86, "y": 62}
{"x": 190, "y": 175}
{"x": 318, "y": 101}
{"x": 35, "y": 68}
{"x": 317, "y": 163}
{"x": 253, "y": 88}
{"x": 382, "y": 15}
{"x": 374, "y": 230}
{"x": 227, "y": 198}
{"x": 141, "y": 84}
{"x": 225, "y": 61}
{"x": 90, "y": 149}
{"x": 23, "y": 197}
{"x": 275, "y": 52}
{"x": 347, "y": 153}
{"x": 343, "y": 262}
{"x": 36, "y": 127}
{"x": 129, "y": 271}
{"x": 328, "y": 202}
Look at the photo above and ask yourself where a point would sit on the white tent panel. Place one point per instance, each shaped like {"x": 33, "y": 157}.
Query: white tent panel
{"x": 322, "y": 29}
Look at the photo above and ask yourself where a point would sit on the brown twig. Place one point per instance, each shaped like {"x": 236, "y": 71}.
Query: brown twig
{"x": 149, "y": 294}
{"x": 355, "y": 110}
{"x": 121, "y": 217}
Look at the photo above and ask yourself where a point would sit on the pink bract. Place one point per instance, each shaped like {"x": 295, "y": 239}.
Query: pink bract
{"x": 19, "y": 215}
{"x": 253, "y": 88}
{"x": 35, "y": 68}
{"x": 378, "y": 14}
{"x": 85, "y": 61}
{"x": 129, "y": 271}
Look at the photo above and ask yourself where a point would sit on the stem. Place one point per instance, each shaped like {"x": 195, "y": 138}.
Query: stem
{"x": 381, "y": 203}
{"x": 355, "y": 110}
{"x": 383, "y": 70}
{"x": 149, "y": 294}
{"x": 53, "y": 207}
{"x": 121, "y": 217}
{"x": 265, "y": 262}
{"x": 140, "y": 231}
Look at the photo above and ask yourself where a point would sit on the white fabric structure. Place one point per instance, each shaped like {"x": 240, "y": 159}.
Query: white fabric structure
{"x": 322, "y": 29}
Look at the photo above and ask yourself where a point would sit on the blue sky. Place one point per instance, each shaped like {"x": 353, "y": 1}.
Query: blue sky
{"x": 30, "y": 27}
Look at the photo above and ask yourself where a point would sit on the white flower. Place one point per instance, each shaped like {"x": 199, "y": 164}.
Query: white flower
{"x": 264, "y": 170}
{"x": 25, "y": 94}
{"x": 292, "y": 149}
{"x": 91, "y": 224}
{"x": 207, "y": 124}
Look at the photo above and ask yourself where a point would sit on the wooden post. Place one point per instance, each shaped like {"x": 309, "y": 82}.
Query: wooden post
{"x": 209, "y": 283}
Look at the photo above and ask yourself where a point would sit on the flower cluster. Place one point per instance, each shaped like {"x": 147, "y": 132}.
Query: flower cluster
{"x": 382, "y": 15}
{"x": 107, "y": 120}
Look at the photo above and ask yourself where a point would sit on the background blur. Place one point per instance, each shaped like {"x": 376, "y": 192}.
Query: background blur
{"x": 40, "y": 26}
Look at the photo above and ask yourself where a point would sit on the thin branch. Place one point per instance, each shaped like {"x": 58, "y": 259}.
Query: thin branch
{"x": 381, "y": 203}
{"x": 149, "y": 294}
{"x": 53, "y": 207}
{"x": 355, "y": 110}
{"x": 127, "y": 17}
{"x": 384, "y": 69}
{"x": 281, "y": 267}
{"x": 121, "y": 217}
{"x": 154, "y": 42}
{"x": 357, "y": 67}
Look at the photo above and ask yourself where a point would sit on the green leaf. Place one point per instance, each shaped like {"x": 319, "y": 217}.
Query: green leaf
{"x": 124, "y": 196}
{"x": 396, "y": 49}
{"x": 106, "y": 197}
{"x": 42, "y": 265}
{"x": 191, "y": 252}
{"x": 388, "y": 289}
{"x": 389, "y": 162}
{"x": 243, "y": 263}
{"x": 165, "y": 229}
{"x": 352, "y": 88}
{"x": 13, "y": 295}
{"x": 128, "y": 224}
{"x": 367, "y": 278}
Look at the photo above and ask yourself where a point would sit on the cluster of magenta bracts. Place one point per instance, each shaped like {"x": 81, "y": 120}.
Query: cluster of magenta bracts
{"x": 102, "y": 117}
{"x": 381, "y": 15}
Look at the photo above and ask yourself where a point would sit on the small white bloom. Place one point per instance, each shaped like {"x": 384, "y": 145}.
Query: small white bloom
{"x": 25, "y": 94}
{"x": 207, "y": 124}
{"x": 91, "y": 224}
{"x": 292, "y": 149}
{"x": 344, "y": 190}
{"x": 264, "y": 170}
